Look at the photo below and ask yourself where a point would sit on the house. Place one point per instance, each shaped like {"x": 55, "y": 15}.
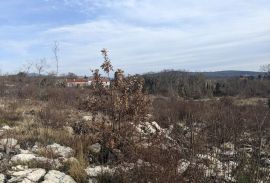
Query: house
{"x": 105, "y": 82}
{"x": 78, "y": 82}
{"x": 84, "y": 82}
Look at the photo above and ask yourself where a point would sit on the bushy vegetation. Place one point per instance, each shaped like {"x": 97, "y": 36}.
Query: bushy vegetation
{"x": 44, "y": 111}
{"x": 188, "y": 85}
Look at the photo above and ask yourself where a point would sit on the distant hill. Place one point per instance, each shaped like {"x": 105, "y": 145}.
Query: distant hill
{"x": 215, "y": 74}
{"x": 227, "y": 74}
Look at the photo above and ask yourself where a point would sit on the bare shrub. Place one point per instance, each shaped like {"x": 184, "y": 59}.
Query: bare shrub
{"x": 51, "y": 117}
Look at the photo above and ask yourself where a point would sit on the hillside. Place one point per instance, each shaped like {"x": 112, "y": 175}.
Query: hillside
{"x": 213, "y": 74}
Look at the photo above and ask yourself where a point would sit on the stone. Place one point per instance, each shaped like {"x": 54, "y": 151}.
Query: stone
{"x": 19, "y": 168}
{"x": 6, "y": 127}
{"x": 1, "y": 156}
{"x": 2, "y": 178}
{"x": 87, "y": 118}
{"x": 62, "y": 151}
{"x": 95, "y": 171}
{"x": 25, "y": 176}
{"x": 92, "y": 180}
{"x": 22, "y": 151}
{"x": 10, "y": 142}
{"x": 140, "y": 163}
{"x": 54, "y": 176}
{"x": 95, "y": 148}
{"x": 182, "y": 166}
{"x": 23, "y": 158}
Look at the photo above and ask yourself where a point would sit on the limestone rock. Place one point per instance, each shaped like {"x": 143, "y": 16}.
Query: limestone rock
{"x": 62, "y": 151}
{"x": 54, "y": 176}
{"x": 23, "y": 158}
{"x": 25, "y": 176}
{"x": 2, "y": 178}
{"x": 6, "y": 127}
{"x": 95, "y": 171}
{"x": 87, "y": 118}
{"x": 10, "y": 142}
{"x": 182, "y": 166}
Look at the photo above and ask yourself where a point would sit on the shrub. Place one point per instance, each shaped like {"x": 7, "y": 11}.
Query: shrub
{"x": 51, "y": 117}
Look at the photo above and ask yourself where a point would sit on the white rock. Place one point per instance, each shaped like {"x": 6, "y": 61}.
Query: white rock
{"x": 2, "y": 178}
{"x": 155, "y": 125}
{"x": 19, "y": 168}
{"x": 54, "y": 176}
{"x": 87, "y": 118}
{"x": 25, "y": 176}
{"x": 1, "y": 156}
{"x": 6, "y": 127}
{"x": 140, "y": 163}
{"x": 92, "y": 180}
{"x": 22, "y": 151}
{"x": 10, "y": 142}
{"x": 182, "y": 166}
{"x": 23, "y": 158}
{"x": 228, "y": 154}
{"x": 95, "y": 171}
{"x": 150, "y": 128}
{"x": 61, "y": 150}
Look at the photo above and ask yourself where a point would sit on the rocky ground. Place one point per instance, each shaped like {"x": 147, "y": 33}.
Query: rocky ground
{"x": 29, "y": 165}
{"x": 26, "y": 158}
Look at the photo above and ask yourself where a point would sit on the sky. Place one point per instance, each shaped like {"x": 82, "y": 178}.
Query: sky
{"x": 141, "y": 35}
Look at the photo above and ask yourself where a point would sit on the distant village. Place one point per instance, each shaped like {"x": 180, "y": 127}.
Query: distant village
{"x": 85, "y": 82}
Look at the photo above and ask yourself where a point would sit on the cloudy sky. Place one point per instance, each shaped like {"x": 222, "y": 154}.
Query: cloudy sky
{"x": 141, "y": 35}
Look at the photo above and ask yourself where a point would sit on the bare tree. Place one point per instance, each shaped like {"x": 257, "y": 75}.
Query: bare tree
{"x": 27, "y": 67}
{"x": 41, "y": 65}
{"x": 55, "y": 52}
{"x": 266, "y": 69}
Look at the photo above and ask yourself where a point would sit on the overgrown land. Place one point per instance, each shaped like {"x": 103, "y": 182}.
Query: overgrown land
{"x": 162, "y": 127}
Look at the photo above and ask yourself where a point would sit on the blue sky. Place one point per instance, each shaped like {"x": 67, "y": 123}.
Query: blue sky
{"x": 141, "y": 35}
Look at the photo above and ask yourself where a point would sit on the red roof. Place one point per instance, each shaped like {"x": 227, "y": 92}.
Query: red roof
{"x": 85, "y": 80}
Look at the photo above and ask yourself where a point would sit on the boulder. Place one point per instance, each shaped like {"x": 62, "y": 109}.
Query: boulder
{"x": 87, "y": 118}
{"x": 2, "y": 178}
{"x": 6, "y": 127}
{"x": 23, "y": 158}
{"x": 95, "y": 171}
{"x": 29, "y": 175}
{"x": 10, "y": 142}
{"x": 19, "y": 168}
{"x": 182, "y": 166}
{"x": 54, "y": 176}
{"x": 62, "y": 151}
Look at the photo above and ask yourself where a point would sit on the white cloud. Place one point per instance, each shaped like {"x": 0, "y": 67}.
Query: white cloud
{"x": 148, "y": 35}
